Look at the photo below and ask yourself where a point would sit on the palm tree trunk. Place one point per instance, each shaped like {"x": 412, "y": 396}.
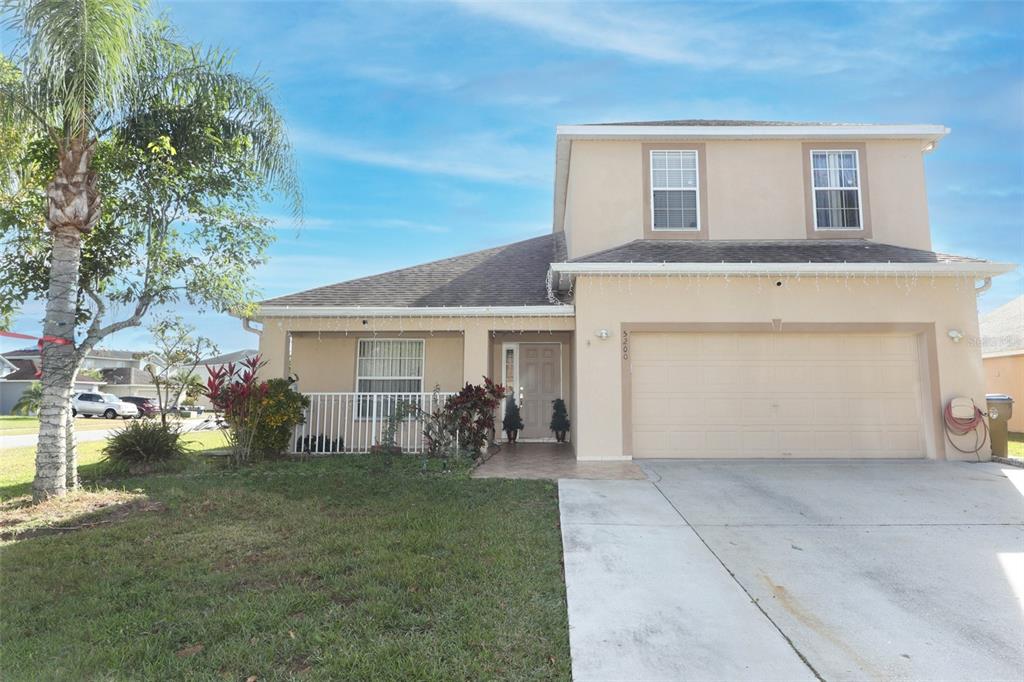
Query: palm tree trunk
{"x": 71, "y": 481}
{"x": 73, "y": 210}
{"x": 58, "y": 365}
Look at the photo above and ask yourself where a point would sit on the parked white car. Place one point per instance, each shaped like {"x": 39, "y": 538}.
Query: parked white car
{"x": 102, "y": 405}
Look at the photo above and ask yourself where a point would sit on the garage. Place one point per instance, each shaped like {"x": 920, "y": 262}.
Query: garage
{"x": 783, "y": 394}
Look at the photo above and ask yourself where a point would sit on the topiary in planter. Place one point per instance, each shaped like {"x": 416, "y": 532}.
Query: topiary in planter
{"x": 513, "y": 421}
{"x": 559, "y": 419}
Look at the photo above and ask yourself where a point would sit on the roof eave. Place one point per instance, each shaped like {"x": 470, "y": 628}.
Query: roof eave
{"x": 927, "y": 132}
{"x": 941, "y": 269}
{"x": 432, "y": 311}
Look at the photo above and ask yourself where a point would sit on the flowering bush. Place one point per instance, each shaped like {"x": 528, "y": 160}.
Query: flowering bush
{"x": 260, "y": 415}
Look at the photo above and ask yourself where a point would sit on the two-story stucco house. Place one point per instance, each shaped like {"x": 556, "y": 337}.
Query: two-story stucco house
{"x": 708, "y": 289}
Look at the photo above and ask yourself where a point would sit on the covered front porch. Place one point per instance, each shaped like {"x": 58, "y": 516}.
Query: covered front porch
{"x": 358, "y": 372}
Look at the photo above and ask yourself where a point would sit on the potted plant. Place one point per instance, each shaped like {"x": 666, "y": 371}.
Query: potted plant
{"x": 513, "y": 421}
{"x": 559, "y": 419}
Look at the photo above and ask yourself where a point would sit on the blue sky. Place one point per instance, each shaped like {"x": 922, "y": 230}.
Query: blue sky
{"x": 426, "y": 130}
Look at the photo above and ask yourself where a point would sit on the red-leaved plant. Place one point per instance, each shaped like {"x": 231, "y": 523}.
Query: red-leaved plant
{"x": 472, "y": 410}
{"x": 259, "y": 415}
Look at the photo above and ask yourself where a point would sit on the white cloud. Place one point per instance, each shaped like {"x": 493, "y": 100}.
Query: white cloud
{"x": 478, "y": 156}
{"x": 713, "y": 36}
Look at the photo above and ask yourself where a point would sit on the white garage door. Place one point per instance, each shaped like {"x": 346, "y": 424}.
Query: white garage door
{"x": 775, "y": 395}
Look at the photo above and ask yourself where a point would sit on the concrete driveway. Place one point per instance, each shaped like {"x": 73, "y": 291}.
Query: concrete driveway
{"x": 793, "y": 570}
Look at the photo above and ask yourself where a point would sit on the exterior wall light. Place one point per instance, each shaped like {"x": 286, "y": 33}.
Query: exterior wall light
{"x": 602, "y": 334}
{"x": 955, "y": 335}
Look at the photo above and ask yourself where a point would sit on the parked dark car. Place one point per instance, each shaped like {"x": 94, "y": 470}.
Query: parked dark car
{"x": 147, "y": 406}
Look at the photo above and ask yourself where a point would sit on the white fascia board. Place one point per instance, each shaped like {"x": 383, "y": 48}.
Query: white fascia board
{"x": 455, "y": 311}
{"x": 884, "y": 269}
{"x": 1002, "y": 354}
{"x": 928, "y": 132}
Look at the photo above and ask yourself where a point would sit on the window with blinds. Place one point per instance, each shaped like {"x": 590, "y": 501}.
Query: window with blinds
{"x": 674, "y": 183}
{"x": 390, "y": 366}
{"x": 835, "y": 179}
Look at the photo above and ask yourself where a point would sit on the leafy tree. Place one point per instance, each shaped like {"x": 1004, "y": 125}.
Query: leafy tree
{"x": 178, "y": 353}
{"x": 132, "y": 182}
{"x": 30, "y": 400}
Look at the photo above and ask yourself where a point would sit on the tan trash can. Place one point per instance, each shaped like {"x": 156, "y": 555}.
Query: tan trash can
{"x": 1000, "y": 409}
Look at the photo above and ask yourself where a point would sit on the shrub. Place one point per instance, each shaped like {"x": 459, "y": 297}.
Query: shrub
{"x": 472, "y": 411}
{"x": 559, "y": 419}
{"x": 319, "y": 444}
{"x": 278, "y": 412}
{"x": 513, "y": 421}
{"x": 260, "y": 416}
{"x": 143, "y": 445}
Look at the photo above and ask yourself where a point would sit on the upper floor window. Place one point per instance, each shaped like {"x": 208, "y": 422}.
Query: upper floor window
{"x": 675, "y": 204}
{"x": 836, "y": 184}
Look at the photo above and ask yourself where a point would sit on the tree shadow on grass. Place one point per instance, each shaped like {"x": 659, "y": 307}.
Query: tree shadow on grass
{"x": 20, "y": 519}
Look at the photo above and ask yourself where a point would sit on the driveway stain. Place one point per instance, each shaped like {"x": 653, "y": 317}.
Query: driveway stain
{"x": 788, "y": 602}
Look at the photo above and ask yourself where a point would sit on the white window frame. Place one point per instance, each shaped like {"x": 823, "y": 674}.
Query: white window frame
{"x": 423, "y": 364}
{"x": 695, "y": 190}
{"x": 814, "y": 193}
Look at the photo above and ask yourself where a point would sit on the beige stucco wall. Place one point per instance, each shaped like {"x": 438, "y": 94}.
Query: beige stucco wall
{"x": 1006, "y": 375}
{"x": 756, "y": 190}
{"x": 297, "y": 345}
{"x": 326, "y": 362}
{"x": 608, "y": 303}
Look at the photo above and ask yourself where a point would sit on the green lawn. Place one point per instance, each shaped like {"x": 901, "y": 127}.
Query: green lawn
{"x": 1016, "y": 445}
{"x": 17, "y": 465}
{"x": 20, "y": 426}
{"x": 331, "y": 569}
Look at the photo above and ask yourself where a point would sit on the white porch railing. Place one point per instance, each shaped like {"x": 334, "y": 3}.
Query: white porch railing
{"x": 354, "y": 422}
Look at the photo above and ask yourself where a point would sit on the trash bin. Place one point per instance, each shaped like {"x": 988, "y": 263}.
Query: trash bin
{"x": 1000, "y": 409}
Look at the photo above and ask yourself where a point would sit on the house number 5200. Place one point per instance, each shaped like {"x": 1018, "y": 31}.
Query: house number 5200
{"x": 625, "y": 345}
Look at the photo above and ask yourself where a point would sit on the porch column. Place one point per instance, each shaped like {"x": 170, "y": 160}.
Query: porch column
{"x": 274, "y": 350}
{"x": 475, "y": 347}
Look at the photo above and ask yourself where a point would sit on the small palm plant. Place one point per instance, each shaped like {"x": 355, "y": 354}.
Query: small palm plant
{"x": 30, "y": 401}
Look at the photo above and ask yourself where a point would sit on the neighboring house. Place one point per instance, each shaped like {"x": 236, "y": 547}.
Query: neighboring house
{"x": 1002, "y": 350}
{"x": 111, "y": 371}
{"x": 26, "y": 364}
{"x": 708, "y": 289}
{"x": 217, "y": 361}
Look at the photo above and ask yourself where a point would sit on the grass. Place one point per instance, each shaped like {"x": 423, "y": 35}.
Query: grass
{"x": 1015, "y": 447}
{"x": 17, "y": 465}
{"x": 24, "y": 426}
{"x": 337, "y": 568}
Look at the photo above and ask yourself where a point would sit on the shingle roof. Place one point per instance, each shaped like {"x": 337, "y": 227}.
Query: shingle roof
{"x": 1002, "y": 330}
{"x": 233, "y": 356}
{"x": 26, "y": 370}
{"x": 766, "y": 251}
{"x": 510, "y": 275}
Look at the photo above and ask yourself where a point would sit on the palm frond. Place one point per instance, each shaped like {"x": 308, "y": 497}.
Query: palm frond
{"x": 190, "y": 77}
{"x": 78, "y": 58}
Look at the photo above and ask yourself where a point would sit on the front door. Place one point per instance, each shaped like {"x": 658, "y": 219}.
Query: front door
{"x": 540, "y": 382}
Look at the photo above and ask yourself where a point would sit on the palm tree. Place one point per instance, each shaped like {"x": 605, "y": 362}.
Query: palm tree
{"x": 29, "y": 402}
{"x": 87, "y": 70}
